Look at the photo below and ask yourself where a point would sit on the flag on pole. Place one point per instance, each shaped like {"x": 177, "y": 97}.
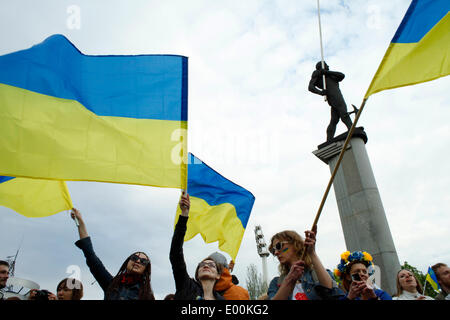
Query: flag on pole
{"x": 432, "y": 279}
{"x": 420, "y": 49}
{"x": 34, "y": 198}
{"x": 220, "y": 209}
{"x": 69, "y": 116}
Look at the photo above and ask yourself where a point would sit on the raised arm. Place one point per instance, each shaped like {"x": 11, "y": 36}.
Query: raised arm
{"x": 176, "y": 255}
{"x": 322, "y": 274}
{"x": 81, "y": 225}
{"x": 95, "y": 265}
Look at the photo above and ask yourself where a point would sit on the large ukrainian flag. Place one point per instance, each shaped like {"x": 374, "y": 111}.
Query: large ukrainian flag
{"x": 420, "y": 49}
{"x": 34, "y": 198}
{"x": 219, "y": 210}
{"x": 68, "y": 116}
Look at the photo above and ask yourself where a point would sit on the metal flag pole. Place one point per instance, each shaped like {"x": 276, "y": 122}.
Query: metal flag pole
{"x": 424, "y": 287}
{"x": 321, "y": 50}
{"x": 330, "y": 183}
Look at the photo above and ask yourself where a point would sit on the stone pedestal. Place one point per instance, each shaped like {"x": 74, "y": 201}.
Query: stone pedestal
{"x": 361, "y": 211}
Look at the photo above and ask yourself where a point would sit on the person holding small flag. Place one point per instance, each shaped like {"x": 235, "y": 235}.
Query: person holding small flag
{"x": 442, "y": 274}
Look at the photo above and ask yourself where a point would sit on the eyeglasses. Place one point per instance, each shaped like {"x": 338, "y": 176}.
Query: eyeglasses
{"x": 209, "y": 264}
{"x": 278, "y": 246}
{"x": 139, "y": 260}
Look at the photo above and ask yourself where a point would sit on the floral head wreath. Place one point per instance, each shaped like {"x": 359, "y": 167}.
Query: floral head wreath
{"x": 347, "y": 258}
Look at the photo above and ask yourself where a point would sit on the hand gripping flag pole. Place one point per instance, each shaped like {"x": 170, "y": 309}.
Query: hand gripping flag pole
{"x": 321, "y": 49}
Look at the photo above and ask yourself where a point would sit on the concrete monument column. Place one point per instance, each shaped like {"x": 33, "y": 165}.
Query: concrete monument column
{"x": 360, "y": 207}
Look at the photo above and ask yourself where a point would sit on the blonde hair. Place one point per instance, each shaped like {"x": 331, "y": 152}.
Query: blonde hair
{"x": 298, "y": 242}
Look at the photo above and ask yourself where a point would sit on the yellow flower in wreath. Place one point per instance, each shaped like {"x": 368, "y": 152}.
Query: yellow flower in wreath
{"x": 345, "y": 256}
{"x": 367, "y": 256}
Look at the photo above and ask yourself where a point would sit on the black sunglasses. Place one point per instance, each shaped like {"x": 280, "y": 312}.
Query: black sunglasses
{"x": 140, "y": 260}
{"x": 278, "y": 247}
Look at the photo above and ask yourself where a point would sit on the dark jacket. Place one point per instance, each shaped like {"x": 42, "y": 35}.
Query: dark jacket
{"x": 103, "y": 277}
{"x": 186, "y": 287}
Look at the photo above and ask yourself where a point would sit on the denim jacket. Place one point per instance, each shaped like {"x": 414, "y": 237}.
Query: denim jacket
{"x": 311, "y": 286}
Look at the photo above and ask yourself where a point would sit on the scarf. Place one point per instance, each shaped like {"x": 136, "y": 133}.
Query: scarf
{"x": 129, "y": 279}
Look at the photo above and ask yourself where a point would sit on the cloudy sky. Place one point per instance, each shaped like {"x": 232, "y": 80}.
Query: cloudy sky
{"x": 252, "y": 119}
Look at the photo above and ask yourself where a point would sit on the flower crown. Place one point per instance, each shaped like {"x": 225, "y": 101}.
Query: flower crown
{"x": 347, "y": 257}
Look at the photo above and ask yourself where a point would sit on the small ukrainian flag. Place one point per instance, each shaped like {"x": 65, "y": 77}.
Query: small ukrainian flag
{"x": 432, "y": 279}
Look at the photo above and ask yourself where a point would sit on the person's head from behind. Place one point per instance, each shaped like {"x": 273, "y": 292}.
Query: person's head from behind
{"x": 135, "y": 269}
{"x": 69, "y": 289}
{"x": 170, "y": 296}
{"x": 442, "y": 272}
{"x": 288, "y": 246}
{"x": 207, "y": 270}
{"x": 4, "y": 273}
{"x": 319, "y": 66}
{"x": 219, "y": 259}
{"x": 406, "y": 280}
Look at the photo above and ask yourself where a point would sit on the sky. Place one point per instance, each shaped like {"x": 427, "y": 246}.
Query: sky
{"x": 251, "y": 118}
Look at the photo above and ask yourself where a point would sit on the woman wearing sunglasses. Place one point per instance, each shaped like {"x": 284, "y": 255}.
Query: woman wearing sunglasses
{"x": 207, "y": 272}
{"x": 132, "y": 282}
{"x": 300, "y": 279}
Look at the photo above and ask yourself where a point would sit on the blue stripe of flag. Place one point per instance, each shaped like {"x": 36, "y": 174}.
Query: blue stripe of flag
{"x": 205, "y": 183}
{"x": 421, "y": 17}
{"x": 142, "y": 86}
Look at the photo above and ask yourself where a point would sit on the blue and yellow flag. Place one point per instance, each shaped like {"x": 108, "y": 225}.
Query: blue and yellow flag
{"x": 420, "y": 49}
{"x": 34, "y": 198}
{"x": 219, "y": 210}
{"x": 69, "y": 116}
{"x": 432, "y": 279}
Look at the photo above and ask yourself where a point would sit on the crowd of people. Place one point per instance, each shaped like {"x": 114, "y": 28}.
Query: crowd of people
{"x": 302, "y": 274}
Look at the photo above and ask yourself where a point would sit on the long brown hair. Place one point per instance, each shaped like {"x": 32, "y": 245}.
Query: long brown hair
{"x": 145, "y": 289}
{"x": 298, "y": 242}
{"x": 399, "y": 287}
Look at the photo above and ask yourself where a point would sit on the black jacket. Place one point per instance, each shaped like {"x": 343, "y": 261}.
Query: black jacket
{"x": 186, "y": 287}
{"x": 103, "y": 277}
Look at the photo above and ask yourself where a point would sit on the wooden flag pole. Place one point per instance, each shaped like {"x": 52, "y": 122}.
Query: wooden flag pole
{"x": 330, "y": 183}
{"x": 321, "y": 50}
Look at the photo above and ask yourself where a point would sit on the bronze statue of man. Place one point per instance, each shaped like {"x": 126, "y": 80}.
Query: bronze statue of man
{"x": 334, "y": 96}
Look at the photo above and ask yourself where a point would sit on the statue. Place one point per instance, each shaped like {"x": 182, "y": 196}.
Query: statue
{"x": 334, "y": 96}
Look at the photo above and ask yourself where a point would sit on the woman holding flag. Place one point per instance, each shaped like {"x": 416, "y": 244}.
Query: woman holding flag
{"x": 132, "y": 281}
{"x": 299, "y": 279}
{"x": 207, "y": 272}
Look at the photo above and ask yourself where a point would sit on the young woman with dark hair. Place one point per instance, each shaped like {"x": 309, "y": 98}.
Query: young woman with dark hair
{"x": 207, "y": 272}
{"x": 69, "y": 289}
{"x": 132, "y": 282}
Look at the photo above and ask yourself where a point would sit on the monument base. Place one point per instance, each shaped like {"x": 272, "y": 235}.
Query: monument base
{"x": 361, "y": 211}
